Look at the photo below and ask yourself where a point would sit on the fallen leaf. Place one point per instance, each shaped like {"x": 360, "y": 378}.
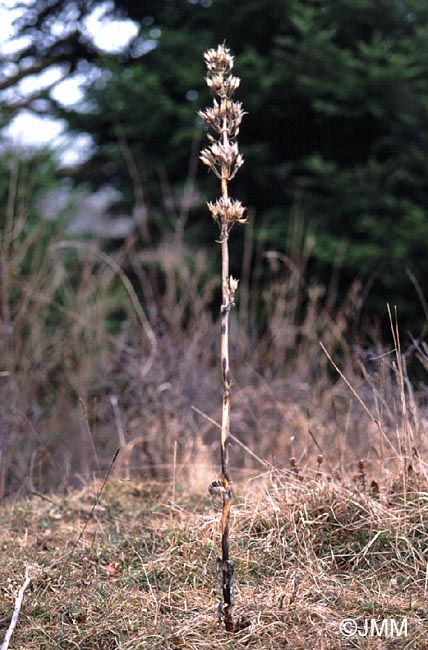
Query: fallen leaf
{"x": 111, "y": 569}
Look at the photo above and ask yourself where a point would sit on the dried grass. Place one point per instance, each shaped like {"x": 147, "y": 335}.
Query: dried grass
{"x": 308, "y": 554}
{"x": 288, "y": 399}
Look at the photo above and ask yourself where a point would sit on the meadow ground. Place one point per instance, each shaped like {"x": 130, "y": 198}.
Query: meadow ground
{"x": 136, "y": 567}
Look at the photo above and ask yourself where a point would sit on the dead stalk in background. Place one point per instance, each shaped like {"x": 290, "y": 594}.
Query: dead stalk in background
{"x": 223, "y": 158}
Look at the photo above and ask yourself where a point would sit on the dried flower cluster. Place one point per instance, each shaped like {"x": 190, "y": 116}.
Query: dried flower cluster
{"x": 224, "y": 118}
{"x": 228, "y": 211}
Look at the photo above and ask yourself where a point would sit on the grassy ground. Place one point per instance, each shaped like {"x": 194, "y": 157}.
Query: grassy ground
{"x": 308, "y": 554}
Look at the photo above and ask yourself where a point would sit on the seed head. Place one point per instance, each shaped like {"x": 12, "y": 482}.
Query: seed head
{"x": 223, "y": 86}
{"x": 219, "y": 61}
{"x": 227, "y": 211}
{"x": 233, "y": 285}
{"x": 222, "y": 159}
{"x": 224, "y": 117}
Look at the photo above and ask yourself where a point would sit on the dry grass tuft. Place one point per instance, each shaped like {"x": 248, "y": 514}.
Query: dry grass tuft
{"x": 308, "y": 554}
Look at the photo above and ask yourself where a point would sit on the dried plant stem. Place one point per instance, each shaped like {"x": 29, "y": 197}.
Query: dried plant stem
{"x": 18, "y": 604}
{"x": 226, "y": 564}
{"x": 223, "y": 158}
{"x": 226, "y": 569}
{"x": 225, "y": 311}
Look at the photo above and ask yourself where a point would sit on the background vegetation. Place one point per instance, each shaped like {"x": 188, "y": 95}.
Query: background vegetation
{"x": 336, "y": 94}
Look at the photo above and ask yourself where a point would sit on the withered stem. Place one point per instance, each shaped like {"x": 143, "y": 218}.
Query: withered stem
{"x": 223, "y": 158}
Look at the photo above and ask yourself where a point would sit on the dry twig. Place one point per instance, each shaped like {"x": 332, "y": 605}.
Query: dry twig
{"x": 30, "y": 572}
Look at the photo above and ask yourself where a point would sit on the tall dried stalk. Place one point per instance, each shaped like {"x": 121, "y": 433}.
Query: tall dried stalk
{"x": 223, "y": 158}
